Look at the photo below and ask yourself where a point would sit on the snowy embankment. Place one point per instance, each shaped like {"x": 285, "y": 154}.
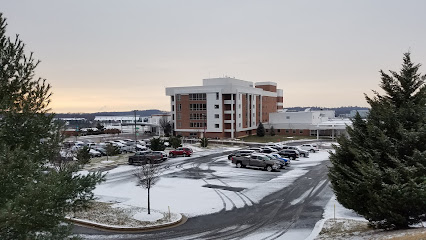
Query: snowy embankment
{"x": 341, "y": 223}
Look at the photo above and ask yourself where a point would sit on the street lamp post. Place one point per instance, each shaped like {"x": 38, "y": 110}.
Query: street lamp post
{"x": 136, "y": 138}
{"x": 205, "y": 124}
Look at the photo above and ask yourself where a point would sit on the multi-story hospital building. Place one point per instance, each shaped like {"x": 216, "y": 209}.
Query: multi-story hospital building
{"x": 223, "y": 107}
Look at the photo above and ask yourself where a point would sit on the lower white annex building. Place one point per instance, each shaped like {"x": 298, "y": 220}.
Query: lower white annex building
{"x": 307, "y": 123}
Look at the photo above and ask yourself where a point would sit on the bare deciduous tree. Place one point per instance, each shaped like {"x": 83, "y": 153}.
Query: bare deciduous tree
{"x": 148, "y": 175}
{"x": 165, "y": 126}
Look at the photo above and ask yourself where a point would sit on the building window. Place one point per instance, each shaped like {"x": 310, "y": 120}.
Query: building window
{"x": 287, "y": 131}
{"x": 239, "y": 115}
{"x": 287, "y": 117}
{"x": 178, "y": 97}
{"x": 173, "y": 98}
{"x": 294, "y": 131}
{"x": 216, "y": 106}
{"x": 197, "y": 96}
{"x": 179, "y": 124}
{"x": 239, "y": 125}
{"x": 197, "y": 124}
{"x": 301, "y": 131}
{"x": 239, "y": 106}
{"x": 173, "y": 117}
{"x": 217, "y": 96}
{"x": 179, "y": 107}
{"x": 216, "y": 125}
{"x": 216, "y": 116}
{"x": 173, "y": 108}
{"x": 196, "y": 116}
{"x": 278, "y": 130}
{"x": 179, "y": 116}
{"x": 197, "y": 106}
{"x": 192, "y": 134}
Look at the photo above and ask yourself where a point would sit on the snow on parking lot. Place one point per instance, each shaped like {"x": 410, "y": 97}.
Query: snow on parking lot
{"x": 221, "y": 186}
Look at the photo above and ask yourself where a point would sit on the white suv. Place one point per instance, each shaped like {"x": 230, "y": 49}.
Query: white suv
{"x": 310, "y": 147}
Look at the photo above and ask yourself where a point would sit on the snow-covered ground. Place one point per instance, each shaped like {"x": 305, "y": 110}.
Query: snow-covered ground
{"x": 189, "y": 195}
{"x": 341, "y": 223}
{"x": 183, "y": 191}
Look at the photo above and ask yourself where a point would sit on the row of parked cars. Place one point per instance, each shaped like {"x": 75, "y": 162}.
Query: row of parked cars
{"x": 271, "y": 157}
{"x": 147, "y": 157}
{"x": 99, "y": 149}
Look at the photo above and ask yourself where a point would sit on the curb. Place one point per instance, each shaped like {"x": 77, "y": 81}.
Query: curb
{"x": 109, "y": 228}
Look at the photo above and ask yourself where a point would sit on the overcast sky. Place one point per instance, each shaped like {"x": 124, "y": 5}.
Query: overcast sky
{"x": 120, "y": 55}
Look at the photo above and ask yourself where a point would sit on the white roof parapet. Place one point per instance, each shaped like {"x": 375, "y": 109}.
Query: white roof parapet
{"x": 226, "y": 81}
{"x": 279, "y": 92}
{"x": 224, "y": 89}
{"x": 115, "y": 118}
{"x": 71, "y": 119}
{"x": 265, "y": 83}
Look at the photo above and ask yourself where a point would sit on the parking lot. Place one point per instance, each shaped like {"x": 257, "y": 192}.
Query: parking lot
{"x": 204, "y": 183}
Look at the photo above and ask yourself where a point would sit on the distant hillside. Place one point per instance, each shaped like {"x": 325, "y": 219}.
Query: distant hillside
{"x": 91, "y": 116}
{"x": 338, "y": 110}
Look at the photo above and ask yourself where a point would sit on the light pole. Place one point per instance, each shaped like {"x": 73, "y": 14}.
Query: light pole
{"x": 136, "y": 138}
{"x": 205, "y": 124}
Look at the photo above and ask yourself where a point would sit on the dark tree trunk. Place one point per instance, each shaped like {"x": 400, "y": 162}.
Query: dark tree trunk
{"x": 149, "y": 204}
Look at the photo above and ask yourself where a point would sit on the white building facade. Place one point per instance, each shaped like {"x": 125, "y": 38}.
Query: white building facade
{"x": 222, "y": 107}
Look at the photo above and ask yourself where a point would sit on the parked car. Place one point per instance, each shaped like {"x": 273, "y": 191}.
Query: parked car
{"x": 268, "y": 150}
{"x": 286, "y": 160}
{"x": 94, "y": 153}
{"x": 243, "y": 152}
{"x": 79, "y": 144}
{"x": 289, "y": 153}
{"x": 120, "y": 141}
{"x": 256, "y": 161}
{"x": 145, "y": 157}
{"x": 182, "y": 151}
{"x": 274, "y": 146}
{"x": 89, "y": 144}
{"x": 310, "y": 147}
{"x": 163, "y": 154}
{"x": 123, "y": 147}
{"x": 100, "y": 149}
{"x": 303, "y": 153}
{"x": 281, "y": 163}
{"x": 259, "y": 150}
{"x": 139, "y": 147}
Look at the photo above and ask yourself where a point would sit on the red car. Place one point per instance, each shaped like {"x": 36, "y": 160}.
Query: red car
{"x": 182, "y": 151}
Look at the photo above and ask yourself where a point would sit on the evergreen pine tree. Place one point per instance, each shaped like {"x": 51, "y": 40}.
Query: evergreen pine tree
{"x": 175, "y": 142}
{"x": 83, "y": 155}
{"x": 272, "y": 131}
{"x": 157, "y": 144}
{"x": 35, "y": 194}
{"x": 380, "y": 170}
{"x": 260, "y": 130}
